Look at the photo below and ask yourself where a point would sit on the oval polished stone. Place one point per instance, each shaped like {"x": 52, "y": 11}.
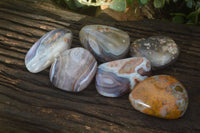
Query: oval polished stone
{"x": 159, "y": 50}
{"x": 47, "y": 48}
{"x": 118, "y": 77}
{"x": 104, "y": 42}
{"x": 73, "y": 70}
{"x": 161, "y": 96}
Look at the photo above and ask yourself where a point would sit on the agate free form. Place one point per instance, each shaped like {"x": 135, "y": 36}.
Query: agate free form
{"x": 118, "y": 77}
{"x": 73, "y": 70}
{"x": 161, "y": 96}
{"x": 42, "y": 54}
{"x": 104, "y": 42}
{"x": 159, "y": 50}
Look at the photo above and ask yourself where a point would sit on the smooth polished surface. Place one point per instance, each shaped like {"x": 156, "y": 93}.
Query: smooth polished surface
{"x": 161, "y": 96}
{"x": 29, "y": 103}
{"x": 73, "y": 70}
{"x": 118, "y": 77}
{"x": 159, "y": 50}
{"x": 104, "y": 42}
{"x": 42, "y": 54}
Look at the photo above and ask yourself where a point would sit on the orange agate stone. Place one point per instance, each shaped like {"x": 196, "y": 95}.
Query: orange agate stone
{"x": 160, "y": 96}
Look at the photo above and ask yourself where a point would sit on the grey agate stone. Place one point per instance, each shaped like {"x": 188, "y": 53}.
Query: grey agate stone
{"x": 116, "y": 78}
{"x": 104, "y": 42}
{"x": 73, "y": 70}
{"x": 159, "y": 50}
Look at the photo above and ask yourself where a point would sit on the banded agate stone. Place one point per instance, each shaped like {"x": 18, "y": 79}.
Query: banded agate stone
{"x": 160, "y": 96}
{"x": 117, "y": 78}
{"x": 159, "y": 50}
{"x": 73, "y": 70}
{"x": 104, "y": 42}
{"x": 42, "y": 54}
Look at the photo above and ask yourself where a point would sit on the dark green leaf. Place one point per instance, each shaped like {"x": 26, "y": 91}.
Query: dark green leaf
{"x": 159, "y": 3}
{"x": 78, "y": 4}
{"x": 178, "y": 14}
{"x": 189, "y": 3}
{"x": 178, "y": 19}
{"x": 197, "y": 5}
{"x": 70, "y": 4}
{"x": 129, "y": 1}
{"x": 143, "y": 2}
{"x": 190, "y": 22}
{"x": 74, "y": 4}
{"x": 193, "y": 16}
{"x": 58, "y": 1}
{"x": 167, "y": 1}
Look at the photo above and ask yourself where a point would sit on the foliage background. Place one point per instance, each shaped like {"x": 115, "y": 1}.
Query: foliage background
{"x": 177, "y": 11}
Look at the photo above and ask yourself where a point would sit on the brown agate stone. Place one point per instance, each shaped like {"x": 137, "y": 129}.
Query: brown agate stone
{"x": 161, "y": 96}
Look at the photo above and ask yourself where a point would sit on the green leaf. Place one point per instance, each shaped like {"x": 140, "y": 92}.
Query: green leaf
{"x": 70, "y": 4}
{"x": 159, "y": 3}
{"x": 175, "y": 1}
{"x": 194, "y": 17}
{"x": 58, "y": 1}
{"x": 167, "y": 1}
{"x": 118, "y": 5}
{"x": 129, "y": 1}
{"x": 190, "y": 22}
{"x": 178, "y": 14}
{"x": 178, "y": 19}
{"x": 190, "y": 3}
{"x": 74, "y": 4}
{"x": 78, "y": 4}
{"x": 143, "y": 2}
{"x": 197, "y": 5}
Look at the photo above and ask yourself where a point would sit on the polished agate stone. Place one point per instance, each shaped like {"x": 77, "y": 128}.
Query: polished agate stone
{"x": 118, "y": 77}
{"x": 160, "y": 96}
{"x": 46, "y": 49}
{"x": 104, "y": 42}
{"x": 73, "y": 70}
{"x": 159, "y": 50}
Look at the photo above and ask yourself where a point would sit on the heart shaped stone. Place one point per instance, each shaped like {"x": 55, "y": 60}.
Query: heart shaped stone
{"x": 118, "y": 77}
{"x": 160, "y": 96}
{"x": 47, "y": 48}
{"x": 73, "y": 70}
{"x": 104, "y": 42}
{"x": 159, "y": 50}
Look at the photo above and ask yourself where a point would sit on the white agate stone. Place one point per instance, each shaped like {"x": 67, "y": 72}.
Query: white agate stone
{"x": 42, "y": 54}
